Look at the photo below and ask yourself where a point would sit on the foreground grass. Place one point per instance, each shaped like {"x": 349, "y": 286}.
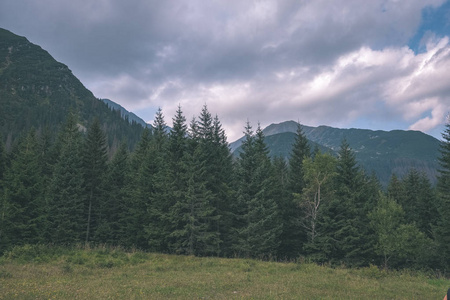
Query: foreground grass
{"x": 115, "y": 274}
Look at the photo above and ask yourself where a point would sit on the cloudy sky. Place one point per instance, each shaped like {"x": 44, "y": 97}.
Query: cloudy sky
{"x": 377, "y": 64}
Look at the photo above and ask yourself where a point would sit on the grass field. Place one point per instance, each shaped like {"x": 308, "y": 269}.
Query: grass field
{"x": 39, "y": 272}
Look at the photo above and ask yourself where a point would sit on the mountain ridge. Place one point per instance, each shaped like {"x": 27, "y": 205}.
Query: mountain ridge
{"x": 383, "y": 152}
{"x": 36, "y": 91}
{"x": 127, "y": 115}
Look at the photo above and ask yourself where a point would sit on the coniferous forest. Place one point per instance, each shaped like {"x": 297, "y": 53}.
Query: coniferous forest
{"x": 182, "y": 192}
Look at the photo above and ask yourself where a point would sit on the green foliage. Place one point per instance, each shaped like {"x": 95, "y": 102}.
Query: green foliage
{"x": 195, "y": 213}
{"x": 396, "y": 240}
{"x": 66, "y": 193}
{"x": 37, "y": 91}
{"x": 443, "y": 226}
{"x": 319, "y": 173}
{"x": 112, "y": 228}
{"x": 94, "y": 158}
{"x": 157, "y": 194}
{"x": 23, "y": 210}
{"x": 179, "y": 192}
{"x": 258, "y": 225}
{"x": 379, "y": 151}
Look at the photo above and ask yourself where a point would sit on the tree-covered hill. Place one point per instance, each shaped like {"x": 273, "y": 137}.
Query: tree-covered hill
{"x": 385, "y": 153}
{"x": 37, "y": 91}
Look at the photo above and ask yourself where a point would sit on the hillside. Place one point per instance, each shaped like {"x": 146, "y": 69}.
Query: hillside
{"x": 37, "y": 91}
{"x": 280, "y": 145}
{"x": 381, "y": 152}
{"x": 125, "y": 114}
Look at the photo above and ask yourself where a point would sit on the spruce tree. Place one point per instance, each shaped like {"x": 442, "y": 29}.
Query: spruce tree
{"x": 246, "y": 187}
{"x": 300, "y": 151}
{"x": 293, "y": 236}
{"x": 177, "y": 185}
{"x": 2, "y": 159}
{"x": 193, "y": 215}
{"x": 23, "y": 195}
{"x": 95, "y": 156}
{"x": 220, "y": 183}
{"x": 157, "y": 195}
{"x": 428, "y": 205}
{"x": 419, "y": 201}
{"x": 112, "y": 228}
{"x": 66, "y": 193}
{"x": 136, "y": 216}
{"x": 261, "y": 225}
{"x": 395, "y": 189}
{"x": 289, "y": 243}
{"x": 3, "y": 204}
{"x": 207, "y": 140}
{"x": 443, "y": 229}
{"x": 347, "y": 212}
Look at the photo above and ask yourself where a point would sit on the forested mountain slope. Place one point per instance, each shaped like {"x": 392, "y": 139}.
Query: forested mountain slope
{"x": 37, "y": 91}
{"x": 385, "y": 153}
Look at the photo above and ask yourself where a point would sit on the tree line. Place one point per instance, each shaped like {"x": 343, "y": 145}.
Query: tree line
{"x": 182, "y": 192}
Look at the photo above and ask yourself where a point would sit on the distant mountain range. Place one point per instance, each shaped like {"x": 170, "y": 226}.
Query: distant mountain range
{"x": 384, "y": 153}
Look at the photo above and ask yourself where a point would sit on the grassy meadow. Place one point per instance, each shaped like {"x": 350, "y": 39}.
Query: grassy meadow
{"x": 41, "y": 272}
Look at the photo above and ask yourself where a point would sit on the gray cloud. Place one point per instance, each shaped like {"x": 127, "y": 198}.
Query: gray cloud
{"x": 323, "y": 62}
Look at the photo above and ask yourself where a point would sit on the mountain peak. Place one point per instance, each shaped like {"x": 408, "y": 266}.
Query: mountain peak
{"x": 382, "y": 152}
{"x": 37, "y": 91}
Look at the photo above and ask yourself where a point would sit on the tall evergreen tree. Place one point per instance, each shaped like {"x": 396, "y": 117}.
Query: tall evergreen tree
{"x": 419, "y": 201}
{"x": 443, "y": 229}
{"x": 136, "y": 216}
{"x": 293, "y": 236}
{"x": 3, "y": 203}
{"x": 66, "y": 193}
{"x": 194, "y": 214}
{"x": 260, "y": 226}
{"x": 112, "y": 229}
{"x": 23, "y": 195}
{"x": 290, "y": 242}
{"x": 2, "y": 158}
{"x": 176, "y": 150}
{"x": 220, "y": 184}
{"x": 157, "y": 195}
{"x": 395, "y": 189}
{"x": 300, "y": 151}
{"x": 95, "y": 156}
{"x": 347, "y": 213}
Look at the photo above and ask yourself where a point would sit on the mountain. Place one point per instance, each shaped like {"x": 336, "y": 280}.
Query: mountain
{"x": 280, "y": 144}
{"x": 37, "y": 91}
{"x": 125, "y": 114}
{"x": 381, "y": 152}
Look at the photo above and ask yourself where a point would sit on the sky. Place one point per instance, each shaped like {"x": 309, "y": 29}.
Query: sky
{"x": 373, "y": 64}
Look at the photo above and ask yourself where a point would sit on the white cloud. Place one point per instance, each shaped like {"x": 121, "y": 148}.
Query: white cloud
{"x": 320, "y": 62}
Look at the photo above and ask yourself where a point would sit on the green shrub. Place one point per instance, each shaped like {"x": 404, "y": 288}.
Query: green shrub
{"x": 33, "y": 253}
{"x": 373, "y": 272}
